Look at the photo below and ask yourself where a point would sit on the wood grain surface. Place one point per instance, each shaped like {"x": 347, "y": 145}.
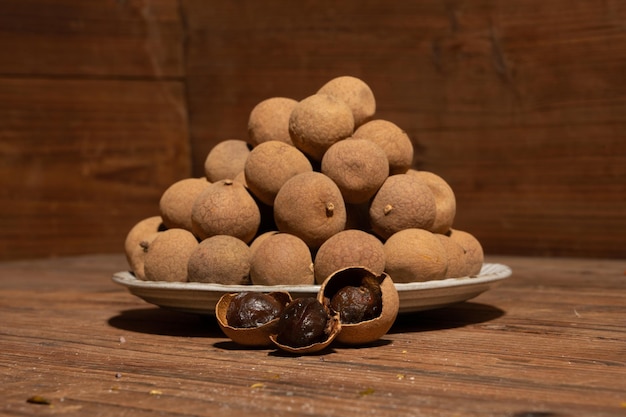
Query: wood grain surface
{"x": 549, "y": 341}
{"x": 93, "y": 121}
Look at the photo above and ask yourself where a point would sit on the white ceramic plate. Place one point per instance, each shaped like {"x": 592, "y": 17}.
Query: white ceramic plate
{"x": 200, "y": 298}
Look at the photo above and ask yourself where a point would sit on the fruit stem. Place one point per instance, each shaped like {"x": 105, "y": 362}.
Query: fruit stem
{"x": 330, "y": 209}
{"x": 388, "y": 208}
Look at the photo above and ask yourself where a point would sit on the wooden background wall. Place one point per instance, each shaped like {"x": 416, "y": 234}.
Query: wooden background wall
{"x": 519, "y": 104}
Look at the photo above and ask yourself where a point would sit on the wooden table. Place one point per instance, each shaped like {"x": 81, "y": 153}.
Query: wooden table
{"x": 550, "y": 341}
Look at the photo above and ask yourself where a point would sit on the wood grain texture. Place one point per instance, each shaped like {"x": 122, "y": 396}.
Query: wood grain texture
{"x": 520, "y": 106}
{"x": 93, "y": 121}
{"x": 69, "y": 38}
{"x": 549, "y": 341}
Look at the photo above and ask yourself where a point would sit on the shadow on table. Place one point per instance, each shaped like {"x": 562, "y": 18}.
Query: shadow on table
{"x": 450, "y": 317}
{"x": 163, "y": 322}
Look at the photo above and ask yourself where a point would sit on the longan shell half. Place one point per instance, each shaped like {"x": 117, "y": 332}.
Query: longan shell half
{"x": 415, "y": 255}
{"x": 252, "y": 336}
{"x": 310, "y": 206}
{"x": 367, "y": 331}
{"x": 317, "y": 122}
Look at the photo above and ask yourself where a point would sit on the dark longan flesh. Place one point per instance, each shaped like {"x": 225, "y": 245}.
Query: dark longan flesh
{"x": 303, "y": 323}
{"x": 252, "y": 309}
{"x": 357, "y": 304}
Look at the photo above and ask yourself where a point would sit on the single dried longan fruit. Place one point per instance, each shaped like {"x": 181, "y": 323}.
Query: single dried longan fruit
{"x": 281, "y": 259}
{"x": 474, "y": 254}
{"x": 270, "y": 165}
{"x": 269, "y": 120}
{"x": 226, "y": 159}
{"x": 177, "y": 200}
{"x": 317, "y": 122}
{"x": 349, "y": 248}
{"x": 358, "y": 167}
{"x": 455, "y": 254}
{"x": 394, "y": 141}
{"x": 225, "y": 208}
{"x": 220, "y": 259}
{"x": 414, "y": 255}
{"x": 402, "y": 202}
{"x": 137, "y": 240}
{"x": 260, "y": 238}
{"x": 168, "y": 254}
{"x": 445, "y": 200}
{"x": 310, "y": 206}
{"x": 355, "y": 93}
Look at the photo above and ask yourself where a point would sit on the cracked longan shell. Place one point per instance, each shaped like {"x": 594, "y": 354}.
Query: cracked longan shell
{"x": 226, "y": 159}
{"x": 358, "y": 167}
{"x": 269, "y": 120}
{"x": 349, "y": 248}
{"x": 225, "y": 208}
{"x": 168, "y": 254}
{"x": 317, "y": 122}
{"x": 366, "y": 331}
{"x": 310, "y": 206}
{"x": 220, "y": 259}
{"x": 402, "y": 202}
{"x": 177, "y": 201}
{"x": 270, "y": 165}
{"x": 445, "y": 201}
{"x": 137, "y": 239}
{"x": 394, "y": 141}
{"x": 474, "y": 254}
{"x": 281, "y": 259}
{"x": 251, "y": 336}
{"x": 415, "y": 255}
{"x": 355, "y": 93}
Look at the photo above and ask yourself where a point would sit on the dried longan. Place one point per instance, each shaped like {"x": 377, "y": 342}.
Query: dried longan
{"x": 355, "y": 93}
{"x": 445, "y": 201}
{"x": 137, "y": 240}
{"x": 414, "y": 255}
{"x": 177, "y": 201}
{"x": 226, "y": 159}
{"x": 269, "y": 120}
{"x": 220, "y": 259}
{"x": 281, "y": 259}
{"x": 168, "y": 254}
{"x": 394, "y": 141}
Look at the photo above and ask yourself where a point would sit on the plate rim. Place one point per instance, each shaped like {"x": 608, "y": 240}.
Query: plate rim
{"x": 490, "y": 273}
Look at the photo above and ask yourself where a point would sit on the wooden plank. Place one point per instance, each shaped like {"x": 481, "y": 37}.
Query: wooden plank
{"x": 548, "y": 341}
{"x": 520, "y": 106}
{"x": 81, "y": 161}
{"x": 133, "y": 38}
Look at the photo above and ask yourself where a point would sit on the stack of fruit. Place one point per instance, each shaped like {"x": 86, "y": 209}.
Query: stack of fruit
{"x": 319, "y": 185}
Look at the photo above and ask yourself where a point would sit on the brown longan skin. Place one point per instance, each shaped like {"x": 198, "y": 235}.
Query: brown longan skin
{"x": 317, "y": 122}
{"x": 220, "y": 259}
{"x": 445, "y": 200}
{"x": 355, "y": 93}
{"x": 270, "y": 165}
{"x": 474, "y": 254}
{"x": 168, "y": 254}
{"x": 269, "y": 120}
{"x": 177, "y": 201}
{"x": 455, "y": 255}
{"x": 358, "y": 167}
{"x": 349, "y": 248}
{"x": 137, "y": 239}
{"x": 414, "y": 255}
{"x": 226, "y": 159}
{"x": 394, "y": 141}
{"x": 402, "y": 202}
{"x": 310, "y": 206}
{"x": 281, "y": 259}
{"x": 225, "y": 208}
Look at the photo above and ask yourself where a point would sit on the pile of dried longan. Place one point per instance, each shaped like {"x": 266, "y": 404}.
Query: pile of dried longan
{"x": 319, "y": 185}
